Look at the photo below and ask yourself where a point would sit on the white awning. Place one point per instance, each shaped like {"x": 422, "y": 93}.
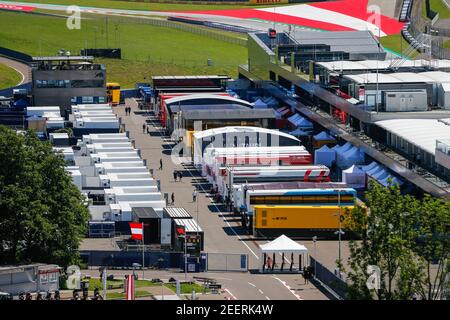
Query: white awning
{"x": 283, "y": 244}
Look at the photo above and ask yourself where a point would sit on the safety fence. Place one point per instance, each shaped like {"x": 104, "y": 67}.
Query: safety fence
{"x": 15, "y": 55}
{"x": 227, "y": 262}
{"x": 187, "y": 28}
{"x": 338, "y": 286}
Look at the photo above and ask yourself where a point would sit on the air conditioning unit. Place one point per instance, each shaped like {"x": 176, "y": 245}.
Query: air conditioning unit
{"x": 107, "y": 216}
{"x": 96, "y": 159}
{"x": 104, "y": 182}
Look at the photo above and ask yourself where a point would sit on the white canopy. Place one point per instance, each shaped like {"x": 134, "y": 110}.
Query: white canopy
{"x": 283, "y": 244}
{"x": 354, "y": 177}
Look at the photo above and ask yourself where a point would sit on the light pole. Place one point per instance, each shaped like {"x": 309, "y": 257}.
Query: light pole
{"x": 314, "y": 239}
{"x": 339, "y": 232}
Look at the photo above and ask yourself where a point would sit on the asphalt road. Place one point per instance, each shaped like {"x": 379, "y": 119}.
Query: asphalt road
{"x": 222, "y": 231}
{"x": 246, "y": 23}
{"x": 21, "y": 68}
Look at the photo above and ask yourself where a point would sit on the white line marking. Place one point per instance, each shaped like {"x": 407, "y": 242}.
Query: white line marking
{"x": 267, "y": 298}
{"x": 287, "y": 287}
{"x": 260, "y": 291}
{"x": 229, "y": 292}
{"x": 221, "y": 214}
{"x": 252, "y": 284}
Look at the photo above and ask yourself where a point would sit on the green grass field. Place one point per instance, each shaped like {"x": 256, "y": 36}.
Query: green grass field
{"x": 393, "y": 43}
{"x": 146, "y": 50}
{"x": 143, "y": 5}
{"x": 8, "y": 77}
{"x": 437, "y": 6}
{"x": 447, "y": 44}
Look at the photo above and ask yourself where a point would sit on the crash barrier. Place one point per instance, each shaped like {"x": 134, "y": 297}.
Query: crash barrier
{"x": 216, "y": 25}
{"x": 15, "y": 55}
{"x": 227, "y": 262}
{"x": 115, "y": 53}
{"x": 333, "y": 283}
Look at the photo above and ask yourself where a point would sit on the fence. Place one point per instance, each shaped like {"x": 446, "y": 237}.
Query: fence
{"x": 187, "y": 28}
{"x": 327, "y": 277}
{"x": 227, "y": 262}
{"x": 125, "y": 259}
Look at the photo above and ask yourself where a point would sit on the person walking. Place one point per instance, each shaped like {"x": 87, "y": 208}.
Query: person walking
{"x": 194, "y": 196}
{"x": 180, "y": 175}
{"x": 143, "y": 128}
{"x": 175, "y": 175}
{"x": 148, "y": 130}
{"x": 173, "y": 198}
{"x": 160, "y": 164}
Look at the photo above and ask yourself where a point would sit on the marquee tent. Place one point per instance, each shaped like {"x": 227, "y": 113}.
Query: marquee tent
{"x": 354, "y": 177}
{"x": 282, "y": 244}
{"x": 350, "y": 157}
{"x": 259, "y": 104}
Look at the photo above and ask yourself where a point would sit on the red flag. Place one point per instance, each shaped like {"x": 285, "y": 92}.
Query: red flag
{"x": 180, "y": 231}
{"x": 130, "y": 287}
{"x": 137, "y": 230}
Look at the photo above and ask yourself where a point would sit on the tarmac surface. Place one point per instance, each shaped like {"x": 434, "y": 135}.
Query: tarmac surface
{"x": 221, "y": 228}
{"x": 21, "y": 68}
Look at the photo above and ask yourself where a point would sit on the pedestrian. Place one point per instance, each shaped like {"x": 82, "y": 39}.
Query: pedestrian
{"x": 143, "y": 128}
{"x": 180, "y": 175}
{"x": 160, "y": 164}
{"x": 269, "y": 263}
{"x": 173, "y": 198}
{"x": 175, "y": 175}
{"x": 148, "y": 130}
{"x": 194, "y": 196}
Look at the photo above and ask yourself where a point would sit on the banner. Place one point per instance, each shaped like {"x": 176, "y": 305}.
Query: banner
{"x": 267, "y": 1}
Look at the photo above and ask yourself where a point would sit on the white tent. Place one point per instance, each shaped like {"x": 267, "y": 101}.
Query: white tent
{"x": 282, "y": 244}
{"x": 259, "y": 104}
{"x": 325, "y": 156}
{"x": 350, "y": 157}
{"x": 354, "y": 177}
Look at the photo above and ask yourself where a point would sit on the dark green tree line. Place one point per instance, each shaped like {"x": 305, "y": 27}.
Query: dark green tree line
{"x": 42, "y": 213}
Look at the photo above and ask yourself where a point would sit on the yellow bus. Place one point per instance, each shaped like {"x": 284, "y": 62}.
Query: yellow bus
{"x": 113, "y": 93}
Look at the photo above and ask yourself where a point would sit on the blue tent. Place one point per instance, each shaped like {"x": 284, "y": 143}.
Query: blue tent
{"x": 324, "y": 155}
{"x": 323, "y": 136}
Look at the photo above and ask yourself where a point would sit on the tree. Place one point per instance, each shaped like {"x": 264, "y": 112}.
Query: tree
{"x": 385, "y": 231}
{"x": 406, "y": 238}
{"x": 42, "y": 213}
{"x": 432, "y": 245}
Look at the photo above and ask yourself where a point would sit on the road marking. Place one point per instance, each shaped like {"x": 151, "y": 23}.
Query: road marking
{"x": 229, "y": 292}
{"x": 267, "y": 298}
{"x": 252, "y": 284}
{"x": 289, "y": 288}
{"x": 218, "y": 210}
{"x": 260, "y": 291}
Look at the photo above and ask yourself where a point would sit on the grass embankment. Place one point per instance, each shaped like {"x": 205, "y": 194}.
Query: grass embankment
{"x": 396, "y": 43}
{"x": 146, "y": 50}
{"x": 8, "y": 77}
{"x": 147, "y": 5}
{"x": 447, "y": 44}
